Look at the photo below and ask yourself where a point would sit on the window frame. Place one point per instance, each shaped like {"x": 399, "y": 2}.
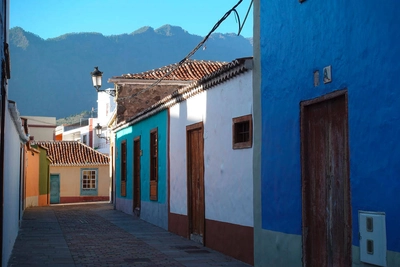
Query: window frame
{"x": 153, "y": 164}
{"x": 89, "y": 191}
{"x": 245, "y": 144}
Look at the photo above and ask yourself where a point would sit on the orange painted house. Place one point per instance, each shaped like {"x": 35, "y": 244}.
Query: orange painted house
{"x": 36, "y": 182}
{"x": 31, "y": 187}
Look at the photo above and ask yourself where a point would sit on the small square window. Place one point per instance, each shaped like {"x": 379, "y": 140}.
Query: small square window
{"x": 242, "y": 132}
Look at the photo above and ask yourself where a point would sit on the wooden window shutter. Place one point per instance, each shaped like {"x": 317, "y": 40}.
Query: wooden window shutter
{"x": 154, "y": 164}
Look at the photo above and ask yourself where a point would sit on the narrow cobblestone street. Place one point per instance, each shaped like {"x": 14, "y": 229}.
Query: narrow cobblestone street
{"x": 97, "y": 235}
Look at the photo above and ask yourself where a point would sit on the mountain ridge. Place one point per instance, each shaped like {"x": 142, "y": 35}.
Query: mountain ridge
{"x": 51, "y": 77}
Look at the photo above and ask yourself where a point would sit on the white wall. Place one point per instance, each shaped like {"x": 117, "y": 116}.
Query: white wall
{"x": 105, "y": 107}
{"x": 41, "y": 128}
{"x": 11, "y": 187}
{"x": 228, "y": 175}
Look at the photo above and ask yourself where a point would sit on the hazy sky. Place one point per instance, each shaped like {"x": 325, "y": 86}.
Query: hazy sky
{"x": 52, "y": 18}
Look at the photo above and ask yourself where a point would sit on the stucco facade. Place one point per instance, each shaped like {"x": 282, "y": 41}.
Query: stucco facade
{"x": 32, "y": 178}
{"x": 13, "y": 175}
{"x": 360, "y": 42}
{"x": 41, "y": 128}
{"x": 11, "y": 209}
{"x": 71, "y": 183}
{"x": 153, "y": 211}
{"x": 44, "y": 176}
{"x": 228, "y": 176}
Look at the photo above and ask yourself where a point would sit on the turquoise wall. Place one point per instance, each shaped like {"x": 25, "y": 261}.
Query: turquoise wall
{"x": 143, "y": 129}
{"x": 361, "y": 41}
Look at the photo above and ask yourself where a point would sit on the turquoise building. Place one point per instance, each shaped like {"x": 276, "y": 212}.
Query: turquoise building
{"x": 141, "y": 168}
{"x": 327, "y": 122}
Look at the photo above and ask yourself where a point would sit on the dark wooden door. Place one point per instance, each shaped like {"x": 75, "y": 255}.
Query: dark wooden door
{"x": 195, "y": 157}
{"x": 136, "y": 176}
{"x": 325, "y": 182}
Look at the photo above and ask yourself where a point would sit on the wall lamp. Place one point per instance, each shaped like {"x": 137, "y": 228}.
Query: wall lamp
{"x": 96, "y": 79}
{"x": 99, "y": 130}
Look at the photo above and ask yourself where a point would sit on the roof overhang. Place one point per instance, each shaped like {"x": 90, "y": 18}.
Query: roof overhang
{"x": 124, "y": 81}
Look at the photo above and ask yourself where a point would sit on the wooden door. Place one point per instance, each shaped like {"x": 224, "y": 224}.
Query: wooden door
{"x": 136, "y": 176}
{"x": 195, "y": 169}
{"x": 54, "y": 188}
{"x": 325, "y": 181}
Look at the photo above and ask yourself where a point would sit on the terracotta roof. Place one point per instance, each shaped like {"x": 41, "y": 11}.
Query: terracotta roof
{"x": 221, "y": 75}
{"x": 72, "y": 153}
{"x": 190, "y": 70}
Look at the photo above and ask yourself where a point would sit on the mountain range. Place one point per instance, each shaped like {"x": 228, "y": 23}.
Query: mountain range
{"x": 52, "y": 77}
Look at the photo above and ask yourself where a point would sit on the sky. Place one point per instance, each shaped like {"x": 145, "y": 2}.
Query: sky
{"x": 52, "y": 18}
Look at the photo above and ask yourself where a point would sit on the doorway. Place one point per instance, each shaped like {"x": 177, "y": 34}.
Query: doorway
{"x": 326, "y": 206}
{"x": 136, "y": 176}
{"x": 195, "y": 174}
{"x": 54, "y": 188}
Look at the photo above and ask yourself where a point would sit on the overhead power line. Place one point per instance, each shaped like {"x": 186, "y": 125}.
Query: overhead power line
{"x": 191, "y": 53}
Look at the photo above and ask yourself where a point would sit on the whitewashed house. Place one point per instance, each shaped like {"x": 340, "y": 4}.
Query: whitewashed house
{"x": 210, "y": 160}
{"x": 84, "y": 130}
{"x": 15, "y": 137}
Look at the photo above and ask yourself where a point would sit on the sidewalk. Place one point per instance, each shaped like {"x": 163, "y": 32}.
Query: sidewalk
{"x": 97, "y": 235}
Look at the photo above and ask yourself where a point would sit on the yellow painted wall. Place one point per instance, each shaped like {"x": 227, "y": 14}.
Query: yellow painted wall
{"x": 70, "y": 180}
{"x": 32, "y": 178}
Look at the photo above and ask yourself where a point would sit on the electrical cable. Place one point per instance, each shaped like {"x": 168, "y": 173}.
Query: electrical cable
{"x": 191, "y": 53}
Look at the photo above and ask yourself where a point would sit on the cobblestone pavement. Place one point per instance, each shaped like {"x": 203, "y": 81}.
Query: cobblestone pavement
{"x": 97, "y": 235}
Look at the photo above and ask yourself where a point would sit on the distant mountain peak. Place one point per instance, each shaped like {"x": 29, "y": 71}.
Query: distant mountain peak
{"x": 45, "y": 63}
{"x": 143, "y": 30}
{"x": 169, "y": 30}
{"x": 20, "y": 38}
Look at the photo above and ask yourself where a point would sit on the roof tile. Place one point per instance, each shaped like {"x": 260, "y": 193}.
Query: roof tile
{"x": 190, "y": 70}
{"x": 73, "y": 153}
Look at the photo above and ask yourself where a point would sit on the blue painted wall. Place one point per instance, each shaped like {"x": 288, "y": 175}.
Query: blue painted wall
{"x": 143, "y": 129}
{"x": 361, "y": 41}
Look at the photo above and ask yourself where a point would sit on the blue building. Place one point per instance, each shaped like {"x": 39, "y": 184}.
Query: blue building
{"x": 141, "y": 144}
{"x": 141, "y": 169}
{"x": 326, "y": 118}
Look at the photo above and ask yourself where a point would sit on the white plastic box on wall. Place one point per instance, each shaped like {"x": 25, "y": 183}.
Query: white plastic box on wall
{"x": 372, "y": 227}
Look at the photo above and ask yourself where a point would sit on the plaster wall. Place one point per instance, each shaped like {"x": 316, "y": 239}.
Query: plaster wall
{"x": 228, "y": 176}
{"x": 180, "y": 117}
{"x": 155, "y": 212}
{"x": 70, "y": 180}
{"x": 44, "y": 178}
{"x": 105, "y": 107}
{"x": 124, "y": 205}
{"x": 11, "y": 206}
{"x": 41, "y": 128}
{"x": 361, "y": 44}
{"x": 32, "y": 178}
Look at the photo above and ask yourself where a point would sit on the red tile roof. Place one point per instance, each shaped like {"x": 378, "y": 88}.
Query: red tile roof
{"x": 72, "y": 153}
{"x": 221, "y": 75}
{"x": 190, "y": 70}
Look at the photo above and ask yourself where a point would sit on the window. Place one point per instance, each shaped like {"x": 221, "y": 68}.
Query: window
{"x": 123, "y": 168}
{"x": 84, "y": 139}
{"x": 242, "y": 132}
{"x": 89, "y": 182}
{"x": 154, "y": 164}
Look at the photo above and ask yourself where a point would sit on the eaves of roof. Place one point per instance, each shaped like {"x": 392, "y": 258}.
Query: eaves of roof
{"x": 73, "y": 153}
{"x": 191, "y": 70}
{"x": 223, "y": 74}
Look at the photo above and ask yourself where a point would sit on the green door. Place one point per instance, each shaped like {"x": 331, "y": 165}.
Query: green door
{"x": 54, "y": 188}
